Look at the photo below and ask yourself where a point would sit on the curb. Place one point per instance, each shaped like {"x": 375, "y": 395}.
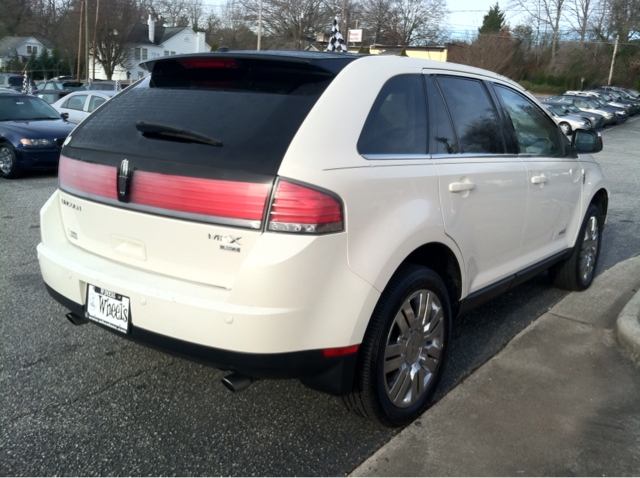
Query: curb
{"x": 628, "y": 325}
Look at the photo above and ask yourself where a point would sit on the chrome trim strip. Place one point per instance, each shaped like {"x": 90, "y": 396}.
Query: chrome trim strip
{"x": 218, "y": 220}
{"x": 395, "y": 156}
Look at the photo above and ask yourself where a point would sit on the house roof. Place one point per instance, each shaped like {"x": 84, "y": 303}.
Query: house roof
{"x": 9, "y": 43}
{"x": 139, "y": 33}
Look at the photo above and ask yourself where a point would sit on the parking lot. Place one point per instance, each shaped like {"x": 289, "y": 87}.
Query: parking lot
{"x": 80, "y": 401}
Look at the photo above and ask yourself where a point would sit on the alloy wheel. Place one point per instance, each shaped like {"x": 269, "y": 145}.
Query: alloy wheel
{"x": 413, "y": 348}
{"x": 589, "y": 249}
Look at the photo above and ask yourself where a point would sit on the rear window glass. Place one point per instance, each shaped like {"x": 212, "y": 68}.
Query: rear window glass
{"x": 16, "y": 80}
{"x": 253, "y": 108}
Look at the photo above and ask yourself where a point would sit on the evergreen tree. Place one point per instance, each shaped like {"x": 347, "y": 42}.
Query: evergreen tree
{"x": 493, "y": 22}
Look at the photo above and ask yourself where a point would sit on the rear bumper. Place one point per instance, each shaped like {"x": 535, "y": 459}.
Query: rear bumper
{"x": 333, "y": 375}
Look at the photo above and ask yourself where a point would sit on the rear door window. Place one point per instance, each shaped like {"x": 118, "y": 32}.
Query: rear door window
{"x": 442, "y": 138}
{"x": 473, "y": 115}
{"x": 397, "y": 122}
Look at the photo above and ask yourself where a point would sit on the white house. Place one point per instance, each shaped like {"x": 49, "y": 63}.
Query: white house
{"x": 152, "y": 41}
{"x": 24, "y": 46}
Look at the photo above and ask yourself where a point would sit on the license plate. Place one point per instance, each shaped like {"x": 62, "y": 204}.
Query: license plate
{"x": 108, "y": 308}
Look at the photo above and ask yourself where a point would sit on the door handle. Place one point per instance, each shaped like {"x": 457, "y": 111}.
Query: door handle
{"x": 539, "y": 179}
{"x": 458, "y": 187}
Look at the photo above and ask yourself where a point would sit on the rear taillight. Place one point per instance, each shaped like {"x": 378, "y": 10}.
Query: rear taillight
{"x": 89, "y": 178}
{"x": 301, "y": 209}
{"x": 210, "y": 200}
{"x": 208, "y": 62}
{"x": 210, "y": 197}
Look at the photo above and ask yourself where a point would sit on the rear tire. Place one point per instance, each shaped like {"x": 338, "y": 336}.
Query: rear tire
{"x": 8, "y": 164}
{"x": 402, "y": 355}
{"x": 577, "y": 272}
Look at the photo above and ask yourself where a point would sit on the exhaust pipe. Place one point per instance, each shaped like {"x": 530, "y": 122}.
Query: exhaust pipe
{"x": 76, "y": 319}
{"x": 237, "y": 382}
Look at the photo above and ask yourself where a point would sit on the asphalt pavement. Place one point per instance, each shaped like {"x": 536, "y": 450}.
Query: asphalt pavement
{"x": 561, "y": 399}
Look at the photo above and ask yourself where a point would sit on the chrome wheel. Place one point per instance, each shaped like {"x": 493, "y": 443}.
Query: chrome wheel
{"x": 589, "y": 249}
{"x": 413, "y": 348}
{"x": 6, "y": 160}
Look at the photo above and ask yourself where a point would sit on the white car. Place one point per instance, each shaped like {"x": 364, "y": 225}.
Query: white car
{"x": 273, "y": 214}
{"x": 80, "y": 104}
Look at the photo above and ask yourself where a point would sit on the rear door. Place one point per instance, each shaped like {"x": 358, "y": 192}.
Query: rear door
{"x": 483, "y": 190}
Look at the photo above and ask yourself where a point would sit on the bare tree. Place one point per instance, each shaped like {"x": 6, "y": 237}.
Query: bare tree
{"x": 578, "y": 13}
{"x": 548, "y": 13}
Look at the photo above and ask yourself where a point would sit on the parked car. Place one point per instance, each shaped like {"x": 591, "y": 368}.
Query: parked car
{"x": 567, "y": 122}
{"x": 589, "y": 105}
{"x": 105, "y": 86}
{"x": 52, "y": 91}
{"x": 15, "y": 81}
{"x": 607, "y": 99}
{"x": 632, "y": 93}
{"x": 596, "y": 120}
{"x": 31, "y": 134}
{"x": 622, "y": 97}
{"x": 78, "y": 105}
{"x": 218, "y": 209}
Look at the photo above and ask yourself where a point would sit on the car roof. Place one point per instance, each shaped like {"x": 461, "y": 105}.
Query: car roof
{"x": 334, "y": 62}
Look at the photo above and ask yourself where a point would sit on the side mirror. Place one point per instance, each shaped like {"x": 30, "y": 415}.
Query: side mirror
{"x": 586, "y": 141}
{"x": 64, "y": 116}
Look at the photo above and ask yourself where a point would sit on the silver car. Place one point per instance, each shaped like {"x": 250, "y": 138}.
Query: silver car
{"x": 80, "y": 104}
{"x": 568, "y": 123}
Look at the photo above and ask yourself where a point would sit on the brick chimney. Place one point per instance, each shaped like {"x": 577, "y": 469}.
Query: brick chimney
{"x": 152, "y": 29}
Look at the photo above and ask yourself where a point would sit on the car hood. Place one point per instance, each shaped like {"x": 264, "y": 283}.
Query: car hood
{"x": 42, "y": 128}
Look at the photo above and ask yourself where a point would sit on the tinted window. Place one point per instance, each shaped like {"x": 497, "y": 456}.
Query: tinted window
{"x": 442, "y": 139}
{"x": 473, "y": 115}
{"x": 397, "y": 122}
{"x": 535, "y": 132}
{"x": 254, "y": 113}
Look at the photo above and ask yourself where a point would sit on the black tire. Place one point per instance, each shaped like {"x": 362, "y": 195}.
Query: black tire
{"x": 577, "y": 272}
{"x": 8, "y": 164}
{"x": 399, "y": 365}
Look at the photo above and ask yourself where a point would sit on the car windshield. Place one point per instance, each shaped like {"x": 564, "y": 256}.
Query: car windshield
{"x": 556, "y": 111}
{"x": 20, "y": 108}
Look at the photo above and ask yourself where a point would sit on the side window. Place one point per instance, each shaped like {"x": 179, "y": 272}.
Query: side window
{"x": 76, "y": 102}
{"x": 94, "y": 102}
{"x": 473, "y": 115}
{"x": 535, "y": 132}
{"x": 397, "y": 122}
{"x": 442, "y": 139}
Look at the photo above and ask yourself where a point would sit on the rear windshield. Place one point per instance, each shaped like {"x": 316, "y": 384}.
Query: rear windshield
{"x": 16, "y": 80}
{"x": 253, "y": 107}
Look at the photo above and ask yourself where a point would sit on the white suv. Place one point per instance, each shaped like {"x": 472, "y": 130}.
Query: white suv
{"x": 316, "y": 216}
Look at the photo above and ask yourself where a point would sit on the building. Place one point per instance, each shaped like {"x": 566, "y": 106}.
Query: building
{"x": 23, "y": 46}
{"x": 147, "y": 41}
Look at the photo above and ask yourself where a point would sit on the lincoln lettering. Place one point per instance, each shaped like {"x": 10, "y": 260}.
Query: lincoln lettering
{"x": 116, "y": 311}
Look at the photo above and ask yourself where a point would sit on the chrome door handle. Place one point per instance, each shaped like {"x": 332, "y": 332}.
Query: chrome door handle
{"x": 458, "y": 187}
{"x": 539, "y": 179}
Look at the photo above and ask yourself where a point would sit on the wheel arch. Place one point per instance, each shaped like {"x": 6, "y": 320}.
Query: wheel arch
{"x": 601, "y": 200}
{"x": 442, "y": 260}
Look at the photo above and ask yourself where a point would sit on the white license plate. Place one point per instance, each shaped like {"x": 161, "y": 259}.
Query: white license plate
{"x": 108, "y": 308}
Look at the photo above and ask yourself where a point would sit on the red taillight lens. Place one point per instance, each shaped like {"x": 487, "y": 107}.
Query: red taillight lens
{"x": 200, "y": 196}
{"x": 208, "y": 63}
{"x": 239, "y": 201}
{"x": 94, "y": 179}
{"x": 300, "y": 209}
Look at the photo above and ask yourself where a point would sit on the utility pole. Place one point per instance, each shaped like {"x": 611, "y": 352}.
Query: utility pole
{"x": 613, "y": 59}
{"x": 260, "y": 25}
{"x": 86, "y": 38}
{"x": 300, "y": 31}
{"x": 80, "y": 42}
{"x": 344, "y": 5}
{"x": 95, "y": 33}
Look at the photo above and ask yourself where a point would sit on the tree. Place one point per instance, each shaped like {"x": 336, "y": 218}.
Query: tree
{"x": 546, "y": 12}
{"x": 112, "y": 37}
{"x": 493, "y": 22}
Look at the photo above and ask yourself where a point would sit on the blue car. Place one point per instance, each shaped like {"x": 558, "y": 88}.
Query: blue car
{"x": 31, "y": 134}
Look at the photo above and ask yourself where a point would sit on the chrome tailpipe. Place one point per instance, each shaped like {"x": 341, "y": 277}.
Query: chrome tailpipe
{"x": 76, "y": 319}
{"x": 237, "y": 382}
